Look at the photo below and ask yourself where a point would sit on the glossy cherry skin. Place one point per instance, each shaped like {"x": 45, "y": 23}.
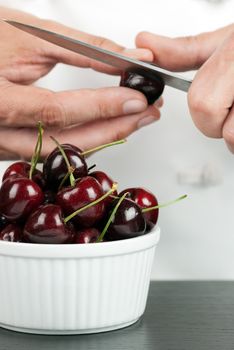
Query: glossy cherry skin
{"x": 46, "y": 226}
{"x": 87, "y": 235}
{"x": 19, "y": 196}
{"x": 151, "y": 87}
{"x": 106, "y": 183}
{"x": 3, "y": 222}
{"x": 11, "y": 233}
{"x": 145, "y": 199}
{"x": 128, "y": 222}
{"x": 84, "y": 192}
{"x": 55, "y": 168}
{"x": 22, "y": 169}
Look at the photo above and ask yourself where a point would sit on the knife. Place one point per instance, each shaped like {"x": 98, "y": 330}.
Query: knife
{"x": 105, "y": 56}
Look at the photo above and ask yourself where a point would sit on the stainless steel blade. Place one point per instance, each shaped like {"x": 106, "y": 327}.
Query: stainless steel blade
{"x": 105, "y": 56}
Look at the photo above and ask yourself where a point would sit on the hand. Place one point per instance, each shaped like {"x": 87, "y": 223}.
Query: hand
{"x": 211, "y": 94}
{"x": 85, "y": 118}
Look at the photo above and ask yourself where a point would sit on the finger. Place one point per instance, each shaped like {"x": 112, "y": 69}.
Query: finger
{"x": 97, "y": 133}
{"x": 25, "y": 105}
{"x": 159, "y": 103}
{"x": 68, "y": 57}
{"x": 185, "y": 53}
{"x": 228, "y": 130}
{"x": 52, "y": 54}
{"x": 21, "y": 141}
{"x": 211, "y": 94}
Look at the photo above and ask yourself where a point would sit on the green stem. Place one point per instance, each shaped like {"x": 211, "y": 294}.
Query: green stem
{"x": 70, "y": 169}
{"x": 98, "y": 148}
{"x": 37, "y": 150}
{"x": 145, "y": 210}
{"x": 101, "y": 236}
{"x": 63, "y": 180}
{"x": 114, "y": 197}
{"x": 71, "y": 216}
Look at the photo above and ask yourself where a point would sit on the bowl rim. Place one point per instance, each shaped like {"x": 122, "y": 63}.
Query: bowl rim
{"x": 66, "y": 251}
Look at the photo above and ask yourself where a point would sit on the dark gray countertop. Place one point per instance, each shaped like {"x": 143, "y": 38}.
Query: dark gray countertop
{"x": 179, "y": 316}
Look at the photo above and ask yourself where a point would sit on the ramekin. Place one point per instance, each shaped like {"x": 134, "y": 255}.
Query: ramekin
{"x": 75, "y": 289}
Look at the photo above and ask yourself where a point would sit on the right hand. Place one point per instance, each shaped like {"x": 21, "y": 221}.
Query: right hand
{"x": 211, "y": 95}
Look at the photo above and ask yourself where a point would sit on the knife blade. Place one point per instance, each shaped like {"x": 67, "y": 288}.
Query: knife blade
{"x": 111, "y": 58}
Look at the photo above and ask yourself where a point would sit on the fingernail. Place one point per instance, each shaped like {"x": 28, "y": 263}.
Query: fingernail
{"x": 159, "y": 102}
{"x": 143, "y": 54}
{"x": 134, "y": 106}
{"x": 146, "y": 121}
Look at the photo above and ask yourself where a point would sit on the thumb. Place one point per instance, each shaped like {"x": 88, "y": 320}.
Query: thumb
{"x": 22, "y": 105}
{"x": 184, "y": 53}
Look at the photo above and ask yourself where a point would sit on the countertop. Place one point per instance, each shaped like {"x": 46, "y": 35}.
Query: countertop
{"x": 178, "y": 316}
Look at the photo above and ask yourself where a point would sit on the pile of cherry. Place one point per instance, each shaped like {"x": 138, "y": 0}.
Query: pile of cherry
{"x": 67, "y": 202}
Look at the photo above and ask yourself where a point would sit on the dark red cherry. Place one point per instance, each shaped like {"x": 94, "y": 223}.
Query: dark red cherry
{"x": 128, "y": 221}
{"x": 145, "y": 199}
{"x": 106, "y": 183}
{"x": 19, "y": 196}
{"x": 151, "y": 87}
{"x": 87, "y": 235}
{"x": 11, "y": 233}
{"x": 3, "y": 222}
{"x": 46, "y": 226}
{"x": 22, "y": 169}
{"x": 55, "y": 167}
{"x": 84, "y": 192}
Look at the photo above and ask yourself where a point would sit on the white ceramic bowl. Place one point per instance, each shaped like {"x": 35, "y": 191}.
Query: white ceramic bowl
{"x": 75, "y": 289}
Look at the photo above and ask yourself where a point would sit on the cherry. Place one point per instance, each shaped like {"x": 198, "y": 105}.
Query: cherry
{"x": 11, "y": 233}
{"x": 55, "y": 167}
{"x": 128, "y": 221}
{"x": 19, "y": 196}
{"x": 106, "y": 183}
{"x": 145, "y": 199}
{"x": 46, "y": 225}
{"x": 22, "y": 169}
{"x": 3, "y": 222}
{"x": 151, "y": 87}
{"x": 88, "y": 235}
{"x": 84, "y": 192}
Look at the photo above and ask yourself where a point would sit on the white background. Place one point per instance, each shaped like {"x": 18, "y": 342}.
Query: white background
{"x": 171, "y": 157}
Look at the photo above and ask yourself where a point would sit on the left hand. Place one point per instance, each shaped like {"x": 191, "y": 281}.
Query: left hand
{"x": 84, "y": 117}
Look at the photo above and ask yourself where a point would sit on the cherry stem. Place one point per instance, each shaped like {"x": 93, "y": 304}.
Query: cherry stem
{"x": 145, "y": 210}
{"x": 101, "y": 236}
{"x": 37, "y": 151}
{"x": 114, "y": 197}
{"x": 70, "y": 169}
{"x": 71, "y": 216}
{"x": 91, "y": 167}
{"x": 63, "y": 180}
{"x": 98, "y": 148}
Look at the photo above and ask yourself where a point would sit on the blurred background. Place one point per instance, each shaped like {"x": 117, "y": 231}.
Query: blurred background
{"x": 170, "y": 157}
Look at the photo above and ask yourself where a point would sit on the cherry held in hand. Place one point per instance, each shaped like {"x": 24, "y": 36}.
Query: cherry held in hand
{"x": 151, "y": 87}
